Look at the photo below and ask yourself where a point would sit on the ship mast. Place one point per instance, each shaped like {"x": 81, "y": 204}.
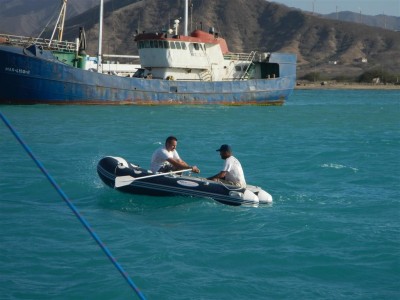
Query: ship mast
{"x": 186, "y": 17}
{"x": 60, "y": 22}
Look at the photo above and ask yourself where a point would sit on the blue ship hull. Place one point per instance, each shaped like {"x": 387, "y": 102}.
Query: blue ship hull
{"x": 36, "y": 76}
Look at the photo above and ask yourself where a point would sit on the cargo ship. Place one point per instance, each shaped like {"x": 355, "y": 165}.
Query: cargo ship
{"x": 175, "y": 68}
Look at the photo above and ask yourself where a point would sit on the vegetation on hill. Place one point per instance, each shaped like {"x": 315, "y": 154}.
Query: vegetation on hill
{"x": 377, "y": 76}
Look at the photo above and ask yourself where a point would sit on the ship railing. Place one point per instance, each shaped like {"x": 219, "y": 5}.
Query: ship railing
{"x": 24, "y": 41}
{"x": 240, "y": 56}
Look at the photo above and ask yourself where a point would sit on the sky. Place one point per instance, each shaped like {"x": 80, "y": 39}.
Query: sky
{"x": 367, "y": 7}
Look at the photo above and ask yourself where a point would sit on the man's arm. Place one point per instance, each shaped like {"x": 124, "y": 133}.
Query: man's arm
{"x": 180, "y": 165}
{"x": 220, "y": 175}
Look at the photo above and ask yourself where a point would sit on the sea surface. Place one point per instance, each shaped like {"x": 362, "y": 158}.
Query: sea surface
{"x": 330, "y": 159}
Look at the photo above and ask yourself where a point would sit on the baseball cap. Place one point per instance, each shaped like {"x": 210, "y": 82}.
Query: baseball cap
{"x": 225, "y": 148}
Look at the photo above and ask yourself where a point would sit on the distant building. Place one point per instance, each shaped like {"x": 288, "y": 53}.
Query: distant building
{"x": 363, "y": 60}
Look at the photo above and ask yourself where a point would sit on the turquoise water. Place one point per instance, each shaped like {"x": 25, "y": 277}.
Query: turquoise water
{"x": 330, "y": 159}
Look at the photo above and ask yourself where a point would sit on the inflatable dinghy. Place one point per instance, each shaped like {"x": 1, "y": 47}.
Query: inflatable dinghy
{"x": 122, "y": 175}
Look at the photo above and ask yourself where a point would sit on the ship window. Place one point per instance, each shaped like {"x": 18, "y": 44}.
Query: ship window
{"x": 178, "y": 45}
{"x": 196, "y": 46}
{"x": 183, "y": 46}
{"x": 172, "y": 45}
{"x": 201, "y": 46}
{"x": 155, "y": 44}
{"x": 146, "y": 44}
{"x": 166, "y": 45}
{"x": 151, "y": 44}
{"x": 160, "y": 44}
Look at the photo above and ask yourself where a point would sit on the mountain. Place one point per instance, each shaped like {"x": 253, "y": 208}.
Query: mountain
{"x": 332, "y": 47}
{"x": 382, "y": 21}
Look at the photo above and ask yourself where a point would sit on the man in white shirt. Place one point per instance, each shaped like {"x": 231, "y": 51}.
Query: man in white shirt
{"x": 166, "y": 158}
{"x": 232, "y": 172}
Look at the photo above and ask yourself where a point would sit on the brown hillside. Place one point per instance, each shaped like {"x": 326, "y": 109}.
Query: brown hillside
{"x": 28, "y": 18}
{"x": 248, "y": 25}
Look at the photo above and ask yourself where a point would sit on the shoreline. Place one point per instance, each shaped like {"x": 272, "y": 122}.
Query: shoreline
{"x": 345, "y": 86}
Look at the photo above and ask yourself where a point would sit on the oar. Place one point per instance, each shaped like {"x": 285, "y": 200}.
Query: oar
{"x": 127, "y": 180}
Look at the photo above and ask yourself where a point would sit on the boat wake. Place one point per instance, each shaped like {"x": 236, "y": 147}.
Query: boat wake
{"x": 338, "y": 166}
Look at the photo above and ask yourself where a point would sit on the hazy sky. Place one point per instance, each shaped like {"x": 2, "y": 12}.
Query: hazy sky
{"x": 367, "y": 7}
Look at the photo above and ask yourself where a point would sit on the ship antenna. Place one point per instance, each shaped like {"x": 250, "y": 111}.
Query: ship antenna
{"x": 100, "y": 38}
{"x": 191, "y": 16}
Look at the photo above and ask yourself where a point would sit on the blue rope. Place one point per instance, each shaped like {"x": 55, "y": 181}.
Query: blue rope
{"x": 74, "y": 209}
